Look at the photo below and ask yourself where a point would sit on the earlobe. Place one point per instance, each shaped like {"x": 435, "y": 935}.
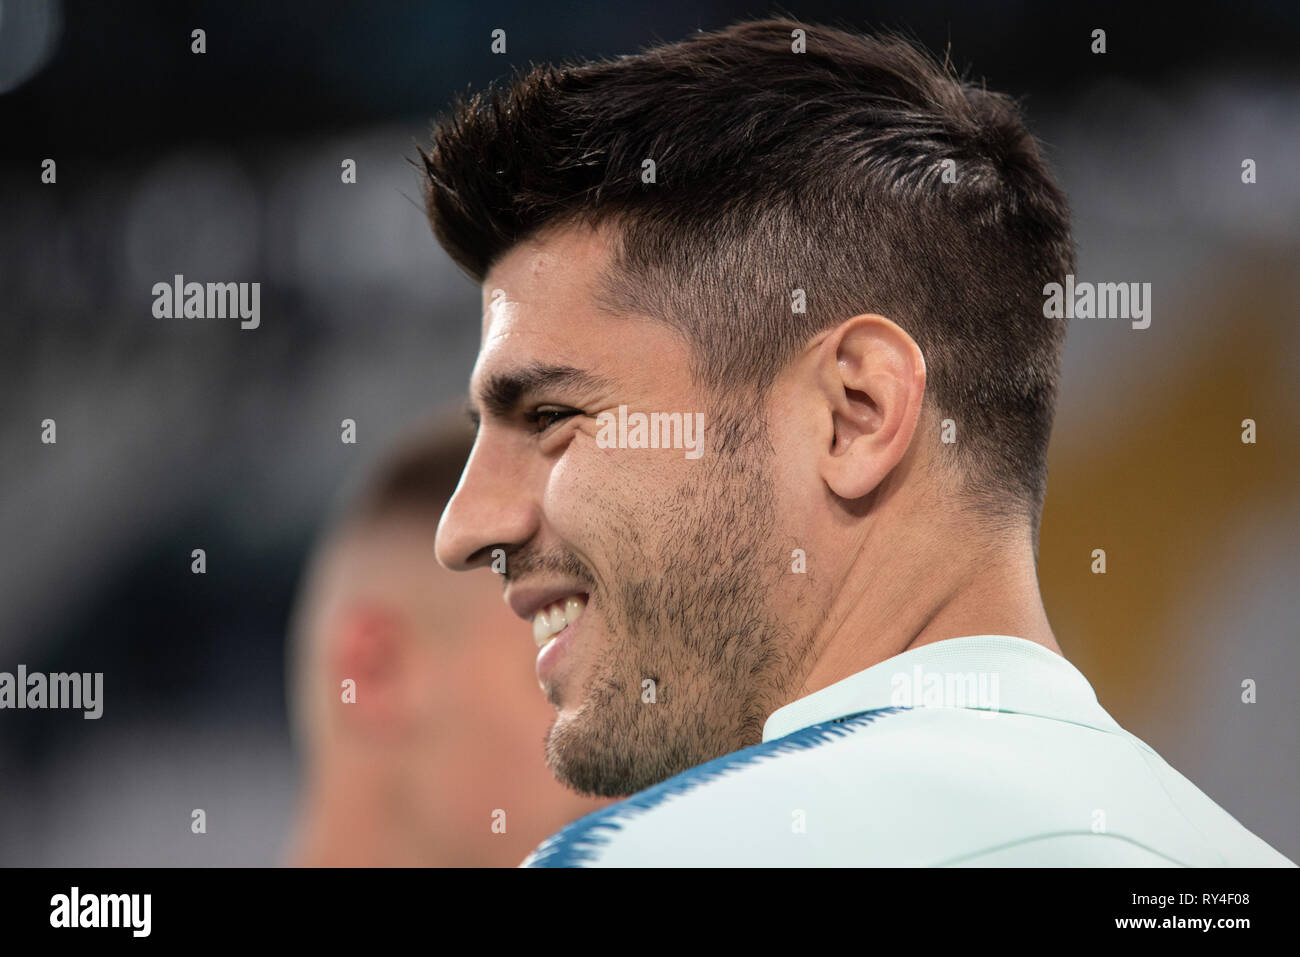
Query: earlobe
{"x": 873, "y": 378}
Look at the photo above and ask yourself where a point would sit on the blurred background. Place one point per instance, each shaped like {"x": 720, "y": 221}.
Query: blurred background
{"x": 176, "y": 435}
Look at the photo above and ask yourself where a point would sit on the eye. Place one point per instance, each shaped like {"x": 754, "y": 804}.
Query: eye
{"x": 543, "y": 419}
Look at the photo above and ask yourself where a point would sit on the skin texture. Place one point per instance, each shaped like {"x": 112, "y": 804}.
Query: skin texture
{"x": 447, "y": 726}
{"x": 688, "y": 563}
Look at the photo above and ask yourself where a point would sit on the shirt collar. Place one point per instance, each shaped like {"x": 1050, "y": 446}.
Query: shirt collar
{"x": 979, "y": 672}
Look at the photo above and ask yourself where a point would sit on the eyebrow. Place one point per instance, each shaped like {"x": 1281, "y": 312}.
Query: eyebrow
{"x": 503, "y": 392}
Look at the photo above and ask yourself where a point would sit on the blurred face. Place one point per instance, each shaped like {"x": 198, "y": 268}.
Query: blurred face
{"x": 467, "y": 667}
{"x": 648, "y": 576}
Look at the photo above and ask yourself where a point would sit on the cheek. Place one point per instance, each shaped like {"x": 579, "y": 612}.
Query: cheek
{"x": 796, "y": 482}
{"x": 591, "y": 489}
{"x": 575, "y": 504}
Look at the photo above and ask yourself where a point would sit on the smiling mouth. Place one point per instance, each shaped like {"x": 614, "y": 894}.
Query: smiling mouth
{"x": 557, "y": 616}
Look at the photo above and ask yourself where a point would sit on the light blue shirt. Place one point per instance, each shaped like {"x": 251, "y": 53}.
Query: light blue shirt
{"x": 980, "y": 751}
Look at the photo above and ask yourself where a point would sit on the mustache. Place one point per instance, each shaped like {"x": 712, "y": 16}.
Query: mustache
{"x": 557, "y": 562}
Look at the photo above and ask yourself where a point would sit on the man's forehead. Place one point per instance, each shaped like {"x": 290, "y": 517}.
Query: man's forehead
{"x": 541, "y": 310}
{"x": 523, "y": 322}
{"x": 538, "y": 302}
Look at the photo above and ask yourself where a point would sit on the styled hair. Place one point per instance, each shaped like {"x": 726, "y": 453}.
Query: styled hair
{"x": 825, "y": 171}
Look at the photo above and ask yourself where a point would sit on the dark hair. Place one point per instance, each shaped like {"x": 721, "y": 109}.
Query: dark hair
{"x": 776, "y": 170}
{"x": 417, "y": 475}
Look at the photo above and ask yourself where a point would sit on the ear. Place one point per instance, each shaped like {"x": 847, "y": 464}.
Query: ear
{"x": 872, "y": 378}
{"x": 372, "y": 646}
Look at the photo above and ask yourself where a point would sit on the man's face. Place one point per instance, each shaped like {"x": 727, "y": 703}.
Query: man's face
{"x": 677, "y": 653}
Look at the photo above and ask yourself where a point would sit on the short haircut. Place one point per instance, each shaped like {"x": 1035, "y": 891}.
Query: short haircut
{"x": 412, "y": 483}
{"x": 775, "y": 170}
{"x": 418, "y": 475}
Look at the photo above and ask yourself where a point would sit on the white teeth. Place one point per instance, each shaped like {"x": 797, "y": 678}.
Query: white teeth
{"x": 551, "y": 620}
{"x": 573, "y": 609}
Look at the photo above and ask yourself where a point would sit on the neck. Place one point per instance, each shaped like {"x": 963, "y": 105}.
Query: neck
{"x": 344, "y": 820}
{"x": 906, "y": 589}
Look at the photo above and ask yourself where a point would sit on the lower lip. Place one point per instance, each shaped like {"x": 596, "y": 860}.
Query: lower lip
{"x": 551, "y": 654}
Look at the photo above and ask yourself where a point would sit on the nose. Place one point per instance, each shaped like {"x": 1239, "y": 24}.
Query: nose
{"x": 491, "y": 508}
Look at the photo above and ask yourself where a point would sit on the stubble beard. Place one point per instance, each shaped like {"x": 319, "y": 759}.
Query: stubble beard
{"x": 697, "y": 659}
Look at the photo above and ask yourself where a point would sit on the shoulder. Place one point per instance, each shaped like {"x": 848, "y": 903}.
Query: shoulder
{"x": 776, "y": 803}
{"x": 901, "y": 787}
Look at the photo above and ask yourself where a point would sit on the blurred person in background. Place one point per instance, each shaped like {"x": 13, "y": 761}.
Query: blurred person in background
{"x": 435, "y": 758}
